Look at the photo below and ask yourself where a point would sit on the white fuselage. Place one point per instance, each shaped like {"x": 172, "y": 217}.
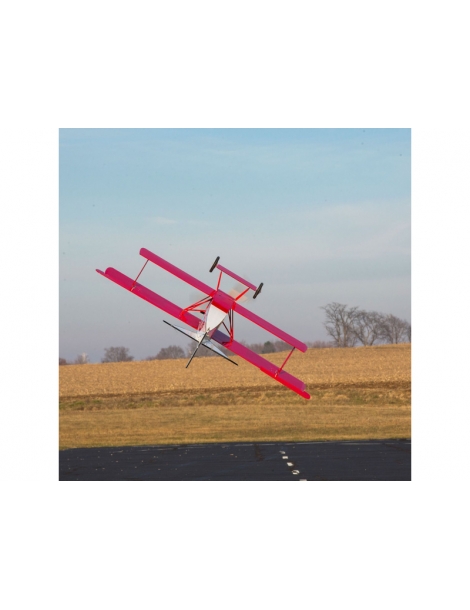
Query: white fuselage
{"x": 213, "y": 318}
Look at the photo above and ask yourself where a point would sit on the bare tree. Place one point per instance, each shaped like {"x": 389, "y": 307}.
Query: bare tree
{"x": 62, "y": 361}
{"x": 395, "y": 330}
{"x": 281, "y": 346}
{"x": 81, "y": 359}
{"x": 367, "y": 326}
{"x": 319, "y": 344}
{"x": 169, "y": 353}
{"x": 408, "y": 332}
{"x": 340, "y": 323}
{"x": 255, "y": 347}
{"x": 116, "y": 354}
{"x": 268, "y": 347}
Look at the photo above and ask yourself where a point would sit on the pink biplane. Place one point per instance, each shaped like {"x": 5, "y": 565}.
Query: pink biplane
{"x": 217, "y": 308}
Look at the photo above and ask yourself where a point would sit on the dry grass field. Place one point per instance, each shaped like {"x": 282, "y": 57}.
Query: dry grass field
{"x": 357, "y": 393}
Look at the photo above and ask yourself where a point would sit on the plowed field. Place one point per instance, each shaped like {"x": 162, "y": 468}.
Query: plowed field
{"x": 356, "y": 393}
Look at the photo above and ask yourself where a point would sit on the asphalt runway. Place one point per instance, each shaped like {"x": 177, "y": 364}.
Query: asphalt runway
{"x": 378, "y": 460}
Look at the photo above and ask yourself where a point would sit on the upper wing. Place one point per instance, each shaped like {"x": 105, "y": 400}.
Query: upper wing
{"x": 249, "y": 315}
{"x": 291, "y": 382}
{"x": 150, "y": 296}
{"x": 161, "y": 262}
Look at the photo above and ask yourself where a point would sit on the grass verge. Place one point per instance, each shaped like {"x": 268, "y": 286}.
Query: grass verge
{"x": 341, "y": 412}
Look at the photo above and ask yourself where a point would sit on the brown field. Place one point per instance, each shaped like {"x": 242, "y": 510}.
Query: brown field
{"x": 357, "y": 393}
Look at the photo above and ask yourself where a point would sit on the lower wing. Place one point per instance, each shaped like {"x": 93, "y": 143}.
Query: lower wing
{"x": 291, "y": 382}
{"x": 150, "y": 296}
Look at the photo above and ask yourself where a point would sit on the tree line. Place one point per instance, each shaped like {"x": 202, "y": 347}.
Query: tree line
{"x": 111, "y": 354}
{"x": 121, "y": 354}
{"x": 174, "y": 351}
{"x": 347, "y": 327}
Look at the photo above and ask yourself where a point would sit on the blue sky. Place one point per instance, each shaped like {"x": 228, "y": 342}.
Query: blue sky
{"x": 318, "y": 215}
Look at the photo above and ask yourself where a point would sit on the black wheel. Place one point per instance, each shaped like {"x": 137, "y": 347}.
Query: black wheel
{"x": 258, "y": 290}
{"x": 214, "y": 265}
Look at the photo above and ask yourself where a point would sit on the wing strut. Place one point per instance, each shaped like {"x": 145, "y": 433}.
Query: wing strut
{"x": 282, "y": 366}
{"x": 135, "y": 281}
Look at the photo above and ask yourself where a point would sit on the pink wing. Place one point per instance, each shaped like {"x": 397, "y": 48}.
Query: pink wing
{"x": 249, "y": 315}
{"x": 291, "y": 382}
{"x": 150, "y": 296}
{"x": 161, "y": 262}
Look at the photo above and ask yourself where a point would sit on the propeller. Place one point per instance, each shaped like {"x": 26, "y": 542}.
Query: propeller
{"x": 237, "y": 289}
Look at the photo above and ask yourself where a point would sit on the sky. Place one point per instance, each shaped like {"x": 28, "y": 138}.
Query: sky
{"x": 317, "y": 215}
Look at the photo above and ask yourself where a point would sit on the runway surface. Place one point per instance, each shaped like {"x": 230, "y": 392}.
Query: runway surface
{"x": 378, "y": 460}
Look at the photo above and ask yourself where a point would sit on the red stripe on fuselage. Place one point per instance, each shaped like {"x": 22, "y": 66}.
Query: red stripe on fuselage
{"x": 223, "y": 301}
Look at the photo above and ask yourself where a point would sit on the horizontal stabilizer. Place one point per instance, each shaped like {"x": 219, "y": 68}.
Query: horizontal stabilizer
{"x": 189, "y": 333}
{"x": 197, "y": 337}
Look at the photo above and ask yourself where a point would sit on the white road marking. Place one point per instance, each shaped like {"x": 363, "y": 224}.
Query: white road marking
{"x": 290, "y": 464}
{"x": 285, "y": 457}
{"x": 295, "y": 472}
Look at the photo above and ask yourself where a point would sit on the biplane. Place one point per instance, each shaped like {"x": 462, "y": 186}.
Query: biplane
{"x": 217, "y": 309}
